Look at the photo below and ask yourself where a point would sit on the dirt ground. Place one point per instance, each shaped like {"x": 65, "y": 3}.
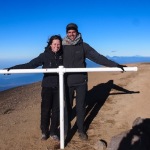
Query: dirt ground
{"x": 114, "y": 101}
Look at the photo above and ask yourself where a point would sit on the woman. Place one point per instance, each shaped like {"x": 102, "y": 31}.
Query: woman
{"x": 50, "y": 58}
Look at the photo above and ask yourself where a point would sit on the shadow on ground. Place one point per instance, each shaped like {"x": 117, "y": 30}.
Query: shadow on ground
{"x": 96, "y": 98}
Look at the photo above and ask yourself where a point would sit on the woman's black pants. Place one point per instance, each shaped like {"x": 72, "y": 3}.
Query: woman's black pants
{"x": 50, "y": 110}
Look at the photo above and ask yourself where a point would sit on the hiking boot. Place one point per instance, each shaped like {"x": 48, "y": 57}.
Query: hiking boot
{"x": 83, "y": 136}
{"x": 44, "y": 137}
{"x": 54, "y": 137}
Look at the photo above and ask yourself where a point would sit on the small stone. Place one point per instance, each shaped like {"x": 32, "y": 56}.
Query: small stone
{"x": 100, "y": 145}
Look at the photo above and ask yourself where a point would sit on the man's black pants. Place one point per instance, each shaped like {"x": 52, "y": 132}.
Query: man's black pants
{"x": 81, "y": 91}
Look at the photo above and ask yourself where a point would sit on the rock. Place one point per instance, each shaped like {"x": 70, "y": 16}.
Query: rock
{"x": 100, "y": 145}
{"x": 115, "y": 141}
{"x": 135, "y": 139}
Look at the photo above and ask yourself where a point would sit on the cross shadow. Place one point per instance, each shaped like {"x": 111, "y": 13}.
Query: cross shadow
{"x": 97, "y": 96}
{"x": 95, "y": 99}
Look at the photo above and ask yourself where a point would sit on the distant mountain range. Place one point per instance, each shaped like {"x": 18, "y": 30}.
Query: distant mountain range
{"x": 10, "y": 81}
{"x": 122, "y": 60}
{"x": 130, "y": 59}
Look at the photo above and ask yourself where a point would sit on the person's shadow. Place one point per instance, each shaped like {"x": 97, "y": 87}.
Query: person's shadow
{"x": 95, "y": 99}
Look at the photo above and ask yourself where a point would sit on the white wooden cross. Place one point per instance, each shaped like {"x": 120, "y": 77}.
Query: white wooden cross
{"x": 61, "y": 70}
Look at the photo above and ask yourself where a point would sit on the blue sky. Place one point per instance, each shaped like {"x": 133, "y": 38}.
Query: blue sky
{"x": 112, "y": 27}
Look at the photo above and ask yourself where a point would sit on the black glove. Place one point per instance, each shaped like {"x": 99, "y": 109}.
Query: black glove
{"x": 7, "y": 70}
{"x": 121, "y": 67}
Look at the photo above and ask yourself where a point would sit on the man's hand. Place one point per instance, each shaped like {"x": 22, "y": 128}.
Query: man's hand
{"x": 121, "y": 67}
{"x": 7, "y": 70}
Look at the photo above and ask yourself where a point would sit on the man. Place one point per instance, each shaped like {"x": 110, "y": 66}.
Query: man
{"x": 75, "y": 51}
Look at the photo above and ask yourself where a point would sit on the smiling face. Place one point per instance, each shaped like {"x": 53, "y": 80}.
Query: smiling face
{"x": 72, "y": 34}
{"x": 55, "y": 46}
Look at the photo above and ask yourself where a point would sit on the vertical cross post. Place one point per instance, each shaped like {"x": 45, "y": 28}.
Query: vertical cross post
{"x": 61, "y": 103}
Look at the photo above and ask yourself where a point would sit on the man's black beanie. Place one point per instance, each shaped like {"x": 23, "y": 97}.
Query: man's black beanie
{"x": 71, "y": 26}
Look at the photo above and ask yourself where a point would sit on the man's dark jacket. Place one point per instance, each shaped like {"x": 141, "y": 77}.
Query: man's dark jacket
{"x": 74, "y": 56}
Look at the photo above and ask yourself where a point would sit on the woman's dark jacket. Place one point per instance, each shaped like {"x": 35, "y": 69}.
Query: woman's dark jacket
{"x": 47, "y": 59}
{"x": 74, "y": 56}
